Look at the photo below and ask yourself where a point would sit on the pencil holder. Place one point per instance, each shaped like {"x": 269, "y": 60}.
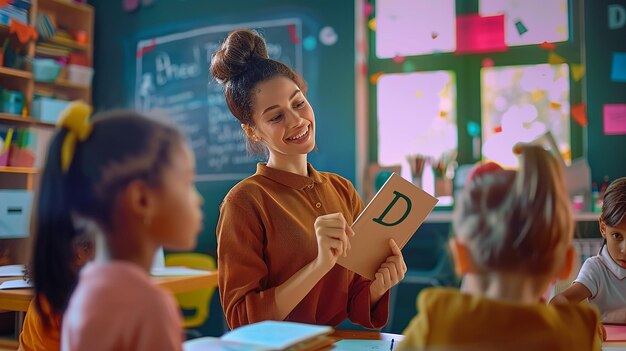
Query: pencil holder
{"x": 4, "y": 158}
{"x": 21, "y": 157}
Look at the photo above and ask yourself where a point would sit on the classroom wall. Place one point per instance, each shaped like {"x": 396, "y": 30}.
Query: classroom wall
{"x": 604, "y": 152}
{"x": 328, "y": 70}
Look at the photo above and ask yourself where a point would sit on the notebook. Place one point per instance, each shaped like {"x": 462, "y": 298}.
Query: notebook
{"x": 267, "y": 336}
{"x": 395, "y": 212}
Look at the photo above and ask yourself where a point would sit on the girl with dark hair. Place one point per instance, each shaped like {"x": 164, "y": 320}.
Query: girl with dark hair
{"x": 281, "y": 230}
{"x": 601, "y": 278}
{"x": 133, "y": 178}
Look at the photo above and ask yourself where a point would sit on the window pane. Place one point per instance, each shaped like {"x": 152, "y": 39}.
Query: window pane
{"x": 416, "y": 116}
{"x": 414, "y": 27}
{"x": 521, "y": 103}
{"x": 530, "y": 21}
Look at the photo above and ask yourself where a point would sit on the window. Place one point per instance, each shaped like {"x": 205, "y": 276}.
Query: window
{"x": 530, "y": 86}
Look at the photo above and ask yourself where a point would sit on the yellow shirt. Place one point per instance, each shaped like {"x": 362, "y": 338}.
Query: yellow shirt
{"x": 265, "y": 234}
{"x": 448, "y": 318}
{"x": 36, "y": 336}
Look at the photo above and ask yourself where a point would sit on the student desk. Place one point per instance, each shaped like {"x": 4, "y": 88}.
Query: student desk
{"x": 367, "y": 335}
{"x": 19, "y": 299}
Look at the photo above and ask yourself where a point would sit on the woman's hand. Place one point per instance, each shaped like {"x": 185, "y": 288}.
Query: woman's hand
{"x": 390, "y": 273}
{"x": 333, "y": 239}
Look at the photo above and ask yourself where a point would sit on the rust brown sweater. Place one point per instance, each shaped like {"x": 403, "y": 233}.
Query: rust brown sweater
{"x": 265, "y": 234}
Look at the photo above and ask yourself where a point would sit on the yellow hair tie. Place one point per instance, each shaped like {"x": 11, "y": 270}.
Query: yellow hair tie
{"x": 75, "y": 118}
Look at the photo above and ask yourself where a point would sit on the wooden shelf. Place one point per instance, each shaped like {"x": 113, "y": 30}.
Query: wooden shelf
{"x": 446, "y": 217}
{"x": 18, "y": 73}
{"x": 72, "y": 6}
{"x": 20, "y": 170}
{"x": 64, "y": 83}
{"x": 19, "y": 121}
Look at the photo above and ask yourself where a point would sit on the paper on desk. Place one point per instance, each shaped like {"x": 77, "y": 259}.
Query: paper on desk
{"x": 175, "y": 271}
{"x": 362, "y": 345}
{"x": 13, "y": 270}
{"x": 15, "y": 284}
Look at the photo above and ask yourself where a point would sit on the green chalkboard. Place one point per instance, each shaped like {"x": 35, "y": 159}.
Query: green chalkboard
{"x": 171, "y": 77}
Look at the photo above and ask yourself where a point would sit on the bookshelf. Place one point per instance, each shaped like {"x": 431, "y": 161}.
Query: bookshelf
{"x": 69, "y": 39}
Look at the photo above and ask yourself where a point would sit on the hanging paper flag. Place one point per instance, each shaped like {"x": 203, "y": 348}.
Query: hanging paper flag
{"x": 372, "y": 24}
{"x": 375, "y": 77}
{"x": 555, "y": 59}
{"x": 407, "y": 66}
{"x": 497, "y": 129}
{"x": 618, "y": 67}
{"x": 578, "y": 71}
{"x": 398, "y": 59}
{"x": 368, "y": 9}
{"x": 419, "y": 94}
{"x": 434, "y": 35}
{"x": 130, "y": 5}
{"x": 363, "y": 68}
{"x": 309, "y": 43}
{"x": 555, "y": 105}
{"x": 328, "y": 36}
{"x": 614, "y": 116}
{"x": 487, "y": 62}
{"x": 293, "y": 36}
{"x": 443, "y": 114}
{"x": 579, "y": 114}
{"x": 521, "y": 28}
{"x": 477, "y": 34}
{"x": 547, "y": 46}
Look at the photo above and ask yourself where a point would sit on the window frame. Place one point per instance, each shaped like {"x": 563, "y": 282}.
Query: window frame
{"x": 467, "y": 71}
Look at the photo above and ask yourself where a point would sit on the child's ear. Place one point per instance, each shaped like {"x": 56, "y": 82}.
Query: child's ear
{"x": 602, "y": 227}
{"x": 568, "y": 265}
{"x": 463, "y": 262}
{"x": 140, "y": 200}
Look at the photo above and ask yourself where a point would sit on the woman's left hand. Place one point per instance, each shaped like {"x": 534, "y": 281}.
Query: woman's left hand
{"x": 390, "y": 273}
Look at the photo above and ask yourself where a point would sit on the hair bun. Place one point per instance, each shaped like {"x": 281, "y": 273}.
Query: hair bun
{"x": 240, "y": 48}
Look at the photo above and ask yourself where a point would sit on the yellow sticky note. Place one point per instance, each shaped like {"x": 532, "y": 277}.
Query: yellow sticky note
{"x": 372, "y": 24}
{"x": 555, "y": 105}
{"x": 578, "y": 71}
{"x": 554, "y": 59}
{"x": 443, "y": 114}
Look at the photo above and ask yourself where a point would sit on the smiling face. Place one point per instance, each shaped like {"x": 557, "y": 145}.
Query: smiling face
{"x": 283, "y": 119}
{"x": 615, "y": 241}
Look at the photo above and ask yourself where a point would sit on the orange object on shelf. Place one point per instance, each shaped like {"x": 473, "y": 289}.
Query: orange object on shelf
{"x": 23, "y": 32}
{"x": 80, "y": 36}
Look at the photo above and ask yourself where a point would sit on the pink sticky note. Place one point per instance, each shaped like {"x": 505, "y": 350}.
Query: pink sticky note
{"x": 615, "y": 332}
{"x": 476, "y": 34}
{"x": 614, "y": 119}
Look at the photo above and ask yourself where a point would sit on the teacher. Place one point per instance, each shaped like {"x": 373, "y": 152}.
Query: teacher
{"x": 281, "y": 230}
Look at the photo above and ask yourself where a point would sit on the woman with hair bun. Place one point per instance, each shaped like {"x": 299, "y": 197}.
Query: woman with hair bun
{"x": 281, "y": 230}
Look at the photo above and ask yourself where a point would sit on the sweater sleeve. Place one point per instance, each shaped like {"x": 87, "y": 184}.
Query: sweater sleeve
{"x": 359, "y": 309}
{"x": 416, "y": 333}
{"x": 241, "y": 267}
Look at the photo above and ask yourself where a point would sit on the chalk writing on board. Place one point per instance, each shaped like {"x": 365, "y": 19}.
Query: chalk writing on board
{"x": 173, "y": 78}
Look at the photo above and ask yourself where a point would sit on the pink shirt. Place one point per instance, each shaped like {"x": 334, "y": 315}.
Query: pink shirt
{"x": 116, "y": 307}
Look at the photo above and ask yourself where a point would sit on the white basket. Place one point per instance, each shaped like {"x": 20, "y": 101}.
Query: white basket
{"x": 79, "y": 74}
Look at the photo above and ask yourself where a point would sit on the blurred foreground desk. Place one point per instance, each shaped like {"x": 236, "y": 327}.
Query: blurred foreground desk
{"x": 19, "y": 299}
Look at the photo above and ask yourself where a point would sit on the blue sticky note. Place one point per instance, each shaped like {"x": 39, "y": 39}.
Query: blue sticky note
{"x": 618, "y": 68}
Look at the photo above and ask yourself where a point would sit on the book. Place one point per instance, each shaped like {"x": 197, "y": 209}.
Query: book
{"x": 267, "y": 336}
{"x": 13, "y": 270}
{"x": 395, "y": 212}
